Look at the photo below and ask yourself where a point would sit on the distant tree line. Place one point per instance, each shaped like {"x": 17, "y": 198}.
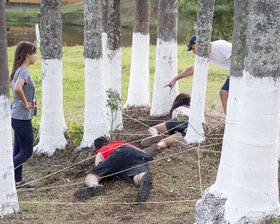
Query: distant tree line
{"x": 222, "y": 20}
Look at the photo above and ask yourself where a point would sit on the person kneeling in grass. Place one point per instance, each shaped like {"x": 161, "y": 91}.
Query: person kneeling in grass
{"x": 176, "y": 127}
{"x": 125, "y": 161}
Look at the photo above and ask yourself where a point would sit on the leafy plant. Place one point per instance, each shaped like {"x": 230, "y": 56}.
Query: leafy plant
{"x": 114, "y": 103}
{"x": 75, "y": 132}
{"x": 180, "y": 116}
{"x": 213, "y": 106}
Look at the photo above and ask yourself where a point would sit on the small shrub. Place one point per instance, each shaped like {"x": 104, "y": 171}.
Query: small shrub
{"x": 114, "y": 103}
{"x": 180, "y": 116}
{"x": 75, "y": 132}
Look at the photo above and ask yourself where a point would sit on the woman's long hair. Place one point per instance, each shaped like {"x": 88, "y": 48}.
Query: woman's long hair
{"x": 23, "y": 48}
{"x": 180, "y": 100}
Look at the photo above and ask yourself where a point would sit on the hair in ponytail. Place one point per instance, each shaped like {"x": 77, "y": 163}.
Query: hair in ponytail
{"x": 23, "y": 48}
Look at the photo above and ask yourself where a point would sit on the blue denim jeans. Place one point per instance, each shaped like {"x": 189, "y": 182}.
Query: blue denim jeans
{"x": 23, "y": 144}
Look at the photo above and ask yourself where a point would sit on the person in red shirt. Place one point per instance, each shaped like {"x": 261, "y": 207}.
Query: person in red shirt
{"x": 125, "y": 161}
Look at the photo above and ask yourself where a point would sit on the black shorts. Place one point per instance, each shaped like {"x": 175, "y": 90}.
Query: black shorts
{"x": 226, "y": 85}
{"x": 124, "y": 157}
{"x": 174, "y": 126}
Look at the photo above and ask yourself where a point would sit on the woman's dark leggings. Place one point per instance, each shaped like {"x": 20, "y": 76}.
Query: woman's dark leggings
{"x": 23, "y": 144}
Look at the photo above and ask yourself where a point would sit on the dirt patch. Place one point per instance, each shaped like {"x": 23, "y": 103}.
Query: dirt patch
{"x": 176, "y": 184}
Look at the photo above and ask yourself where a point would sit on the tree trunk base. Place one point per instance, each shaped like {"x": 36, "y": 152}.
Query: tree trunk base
{"x": 210, "y": 209}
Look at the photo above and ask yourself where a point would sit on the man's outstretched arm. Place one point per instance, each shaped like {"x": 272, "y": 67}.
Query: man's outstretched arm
{"x": 185, "y": 73}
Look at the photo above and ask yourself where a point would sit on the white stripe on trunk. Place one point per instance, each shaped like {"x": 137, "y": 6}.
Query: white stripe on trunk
{"x": 222, "y": 184}
{"x": 166, "y": 69}
{"x": 95, "y": 124}
{"x": 254, "y": 187}
{"x": 195, "y": 133}
{"x": 139, "y": 83}
{"x": 52, "y": 124}
{"x": 114, "y": 82}
{"x": 105, "y": 58}
{"x": 8, "y": 195}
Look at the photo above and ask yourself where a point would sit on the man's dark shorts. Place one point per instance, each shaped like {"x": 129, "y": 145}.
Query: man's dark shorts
{"x": 124, "y": 157}
{"x": 174, "y": 126}
{"x": 226, "y": 85}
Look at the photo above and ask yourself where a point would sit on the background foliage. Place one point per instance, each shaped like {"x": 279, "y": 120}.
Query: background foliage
{"x": 222, "y": 21}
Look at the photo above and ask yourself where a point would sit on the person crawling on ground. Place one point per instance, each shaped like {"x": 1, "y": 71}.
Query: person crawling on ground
{"x": 176, "y": 127}
{"x": 126, "y": 161}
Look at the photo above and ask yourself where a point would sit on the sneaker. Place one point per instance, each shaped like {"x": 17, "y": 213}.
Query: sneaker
{"x": 23, "y": 184}
{"x": 152, "y": 149}
{"x": 146, "y": 142}
{"x": 88, "y": 192}
{"x": 145, "y": 187}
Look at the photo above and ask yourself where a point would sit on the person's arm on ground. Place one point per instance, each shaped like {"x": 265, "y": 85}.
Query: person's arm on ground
{"x": 99, "y": 158}
{"x": 185, "y": 73}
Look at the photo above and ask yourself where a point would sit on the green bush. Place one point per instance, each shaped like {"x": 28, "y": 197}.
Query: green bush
{"x": 75, "y": 132}
{"x": 114, "y": 102}
{"x": 222, "y": 20}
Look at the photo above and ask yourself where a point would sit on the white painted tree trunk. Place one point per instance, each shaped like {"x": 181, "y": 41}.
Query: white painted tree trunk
{"x": 254, "y": 191}
{"x": 223, "y": 180}
{"x": 254, "y": 186}
{"x": 166, "y": 69}
{"x": 139, "y": 87}
{"x": 105, "y": 65}
{"x": 95, "y": 124}
{"x": 105, "y": 59}
{"x": 52, "y": 124}
{"x": 195, "y": 132}
{"x": 114, "y": 83}
{"x": 8, "y": 195}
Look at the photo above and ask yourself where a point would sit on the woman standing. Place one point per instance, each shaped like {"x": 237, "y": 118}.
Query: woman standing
{"x": 23, "y": 108}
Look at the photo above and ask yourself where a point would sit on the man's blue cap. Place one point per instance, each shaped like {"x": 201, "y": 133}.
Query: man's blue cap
{"x": 192, "y": 41}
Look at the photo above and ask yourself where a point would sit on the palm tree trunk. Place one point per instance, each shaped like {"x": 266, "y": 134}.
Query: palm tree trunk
{"x": 166, "y": 57}
{"x": 95, "y": 124}
{"x": 217, "y": 194}
{"x": 253, "y": 195}
{"x": 205, "y": 13}
{"x": 52, "y": 125}
{"x": 139, "y": 87}
{"x": 222, "y": 184}
{"x": 113, "y": 76}
{"x": 8, "y": 195}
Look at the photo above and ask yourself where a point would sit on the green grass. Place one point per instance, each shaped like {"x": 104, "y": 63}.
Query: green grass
{"x": 73, "y": 78}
